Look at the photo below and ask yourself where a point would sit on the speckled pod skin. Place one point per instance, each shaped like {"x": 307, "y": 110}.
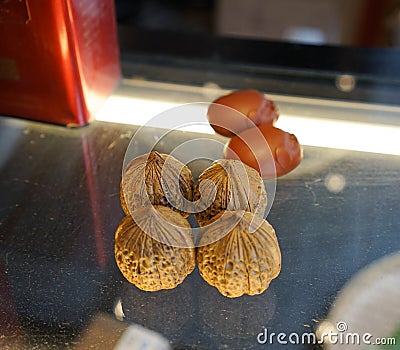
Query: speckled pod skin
{"x": 238, "y": 187}
{"x": 147, "y": 177}
{"x": 246, "y": 108}
{"x": 242, "y": 262}
{"x": 154, "y": 254}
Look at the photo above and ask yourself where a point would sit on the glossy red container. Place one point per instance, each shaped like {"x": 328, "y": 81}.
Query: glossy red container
{"x": 59, "y": 60}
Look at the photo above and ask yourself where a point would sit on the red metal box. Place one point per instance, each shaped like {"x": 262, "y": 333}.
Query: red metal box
{"x": 59, "y": 59}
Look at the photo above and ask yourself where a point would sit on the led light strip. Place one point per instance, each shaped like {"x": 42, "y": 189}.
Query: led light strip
{"x": 311, "y": 131}
{"x": 346, "y": 135}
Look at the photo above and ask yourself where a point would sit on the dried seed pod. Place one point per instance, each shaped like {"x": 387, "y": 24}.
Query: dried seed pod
{"x": 124, "y": 206}
{"x": 157, "y": 179}
{"x": 155, "y": 252}
{"x": 229, "y": 185}
{"x": 243, "y": 261}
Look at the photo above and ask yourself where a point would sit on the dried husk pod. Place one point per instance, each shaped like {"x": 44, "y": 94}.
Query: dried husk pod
{"x": 157, "y": 251}
{"x": 124, "y": 206}
{"x": 234, "y": 185}
{"x": 157, "y": 179}
{"x": 243, "y": 261}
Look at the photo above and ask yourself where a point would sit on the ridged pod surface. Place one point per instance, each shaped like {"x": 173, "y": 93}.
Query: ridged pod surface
{"x": 155, "y": 252}
{"x": 229, "y": 185}
{"x": 157, "y": 179}
{"x": 243, "y": 261}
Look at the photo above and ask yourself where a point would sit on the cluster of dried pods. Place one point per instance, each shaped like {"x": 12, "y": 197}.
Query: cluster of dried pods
{"x": 154, "y": 246}
{"x": 236, "y": 248}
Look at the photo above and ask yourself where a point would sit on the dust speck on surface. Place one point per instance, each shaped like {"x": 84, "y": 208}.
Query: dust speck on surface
{"x": 111, "y": 145}
{"x": 126, "y": 135}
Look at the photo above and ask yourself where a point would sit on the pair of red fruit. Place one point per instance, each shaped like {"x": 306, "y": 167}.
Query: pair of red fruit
{"x": 254, "y": 138}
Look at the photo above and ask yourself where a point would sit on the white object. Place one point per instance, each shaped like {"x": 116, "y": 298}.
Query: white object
{"x": 136, "y": 337}
{"x": 368, "y": 304}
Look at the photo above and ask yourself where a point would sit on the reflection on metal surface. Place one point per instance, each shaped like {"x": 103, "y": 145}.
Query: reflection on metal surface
{"x": 8, "y": 140}
{"x": 168, "y": 311}
{"x": 93, "y": 190}
{"x": 49, "y": 253}
{"x": 9, "y": 320}
{"x": 234, "y": 319}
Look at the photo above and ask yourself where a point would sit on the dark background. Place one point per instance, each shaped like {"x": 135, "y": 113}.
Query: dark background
{"x": 182, "y": 42}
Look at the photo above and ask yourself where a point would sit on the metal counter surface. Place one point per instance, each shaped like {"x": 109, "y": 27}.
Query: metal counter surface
{"x": 59, "y": 208}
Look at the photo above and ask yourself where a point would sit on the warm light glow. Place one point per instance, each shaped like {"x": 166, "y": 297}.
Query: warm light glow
{"x": 130, "y": 110}
{"x": 320, "y": 132}
{"x": 339, "y": 134}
